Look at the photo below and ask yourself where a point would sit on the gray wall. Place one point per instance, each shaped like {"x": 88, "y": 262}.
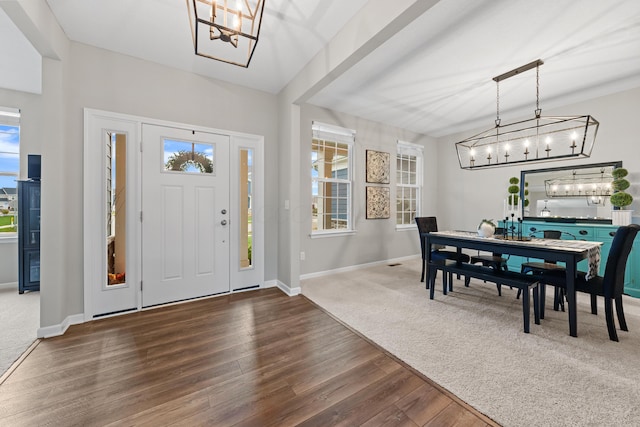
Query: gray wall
{"x": 52, "y": 124}
{"x": 8, "y": 262}
{"x": 113, "y": 82}
{"x": 374, "y": 240}
{"x": 466, "y": 197}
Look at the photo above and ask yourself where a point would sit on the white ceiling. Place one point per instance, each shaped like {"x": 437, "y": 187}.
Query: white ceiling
{"x": 432, "y": 77}
{"x": 292, "y": 33}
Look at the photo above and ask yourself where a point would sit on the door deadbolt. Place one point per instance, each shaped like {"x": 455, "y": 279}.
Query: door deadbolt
{"x": 223, "y": 222}
{"x": 223, "y": 211}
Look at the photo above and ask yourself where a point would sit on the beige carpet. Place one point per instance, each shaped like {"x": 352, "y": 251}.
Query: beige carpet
{"x": 471, "y": 342}
{"x": 19, "y": 320}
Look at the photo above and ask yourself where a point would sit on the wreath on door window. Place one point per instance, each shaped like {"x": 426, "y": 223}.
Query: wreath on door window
{"x": 181, "y": 160}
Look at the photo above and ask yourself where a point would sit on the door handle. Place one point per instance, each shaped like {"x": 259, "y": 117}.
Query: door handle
{"x": 223, "y": 222}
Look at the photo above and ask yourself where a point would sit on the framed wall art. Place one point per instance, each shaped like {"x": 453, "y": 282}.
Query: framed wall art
{"x": 378, "y": 167}
{"x": 378, "y": 202}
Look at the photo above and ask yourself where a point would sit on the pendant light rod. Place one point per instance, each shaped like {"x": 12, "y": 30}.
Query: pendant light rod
{"x": 518, "y": 70}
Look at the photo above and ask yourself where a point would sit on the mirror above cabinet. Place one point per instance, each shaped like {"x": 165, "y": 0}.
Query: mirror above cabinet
{"x": 570, "y": 193}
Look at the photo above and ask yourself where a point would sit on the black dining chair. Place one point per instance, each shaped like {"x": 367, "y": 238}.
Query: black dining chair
{"x": 546, "y": 266}
{"x": 610, "y": 286}
{"x": 495, "y": 261}
{"x": 428, "y": 224}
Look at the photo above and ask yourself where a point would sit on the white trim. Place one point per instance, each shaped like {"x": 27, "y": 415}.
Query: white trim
{"x": 404, "y": 148}
{"x": 244, "y": 277}
{"x": 9, "y": 285}
{"x": 9, "y": 239}
{"x": 270, "y": 284}
{"x": 9, "y": 116}
{"x": 60, "y": 328}
{"x": 357, "y": 267}
{"x": 292, "y": 292}
{"x": 93, "y": 268}
{"x": 410, "y": 146}
{"x": 94, "y": 216}
{"x": 344, "y": 136}
{"x": 146, "y": 120}
{"x": 332, "y": 233}
{"x": 332, "y": 132}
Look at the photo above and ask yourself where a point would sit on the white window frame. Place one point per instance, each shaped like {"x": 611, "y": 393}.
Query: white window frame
{"x": 340, "y": 135}
{"x": 10, "y": 117}
{"x": 409, "y": 149}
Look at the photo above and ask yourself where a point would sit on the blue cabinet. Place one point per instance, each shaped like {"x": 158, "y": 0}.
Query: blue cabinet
{"x": 633, "y": 268}
{"x": 28, "y": 236}
{"x": 594, "y": 232}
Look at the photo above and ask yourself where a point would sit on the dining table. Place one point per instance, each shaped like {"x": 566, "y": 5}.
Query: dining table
{"x": 569, "y": 252}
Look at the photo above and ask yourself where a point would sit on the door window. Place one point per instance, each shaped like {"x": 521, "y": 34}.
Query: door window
{"x": 190, "y": 157}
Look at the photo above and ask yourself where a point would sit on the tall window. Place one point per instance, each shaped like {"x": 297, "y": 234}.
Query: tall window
{"x": 9, "y": 170}
{"x": 331, "y": 178}
{"x": 408, "y": 183}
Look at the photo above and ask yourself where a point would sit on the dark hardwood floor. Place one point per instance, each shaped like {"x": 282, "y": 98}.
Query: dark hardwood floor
{"x": 258, "y": 358}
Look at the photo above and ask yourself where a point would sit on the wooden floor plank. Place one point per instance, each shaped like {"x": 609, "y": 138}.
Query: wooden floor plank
{"x": 258, "y": 358}
{"x": 424, "y": 404}
{"x": 455, "y": 415}
{"x": 357, "y": 409}
{"x": 392, "y": 416}
{"x": 315, "y": 400}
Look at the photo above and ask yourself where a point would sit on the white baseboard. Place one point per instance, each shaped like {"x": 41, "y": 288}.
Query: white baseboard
{"x": 9, "y": 285}
{"x": 59, "y": 329}
{"x": 357, "y": 267}
{"x": 284, "y": 288}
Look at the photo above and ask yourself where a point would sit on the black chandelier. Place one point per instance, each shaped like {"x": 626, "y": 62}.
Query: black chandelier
{"x": 539, "y": 139}
{"x": 226, "y": 30}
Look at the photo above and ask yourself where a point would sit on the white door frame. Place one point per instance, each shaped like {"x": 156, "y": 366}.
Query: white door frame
{"x": 95, "y": 196}
{"x": 96, "y": 123}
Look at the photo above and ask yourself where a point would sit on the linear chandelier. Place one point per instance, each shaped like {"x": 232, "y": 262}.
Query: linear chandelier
{"x": 226, "y": 30}
{"x": 542, "y": 138}
{"x": 596, "y": 187}
{"x": 579, "y": 185}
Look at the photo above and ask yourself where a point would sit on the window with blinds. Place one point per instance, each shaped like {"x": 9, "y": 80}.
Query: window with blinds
{"x": 409, "y": 162}
{"x": 9, "y": 170}
{"x": 331, "y": 178}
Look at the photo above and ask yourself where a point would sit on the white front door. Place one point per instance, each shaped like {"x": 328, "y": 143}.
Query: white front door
{"x": 185, "y": 214}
